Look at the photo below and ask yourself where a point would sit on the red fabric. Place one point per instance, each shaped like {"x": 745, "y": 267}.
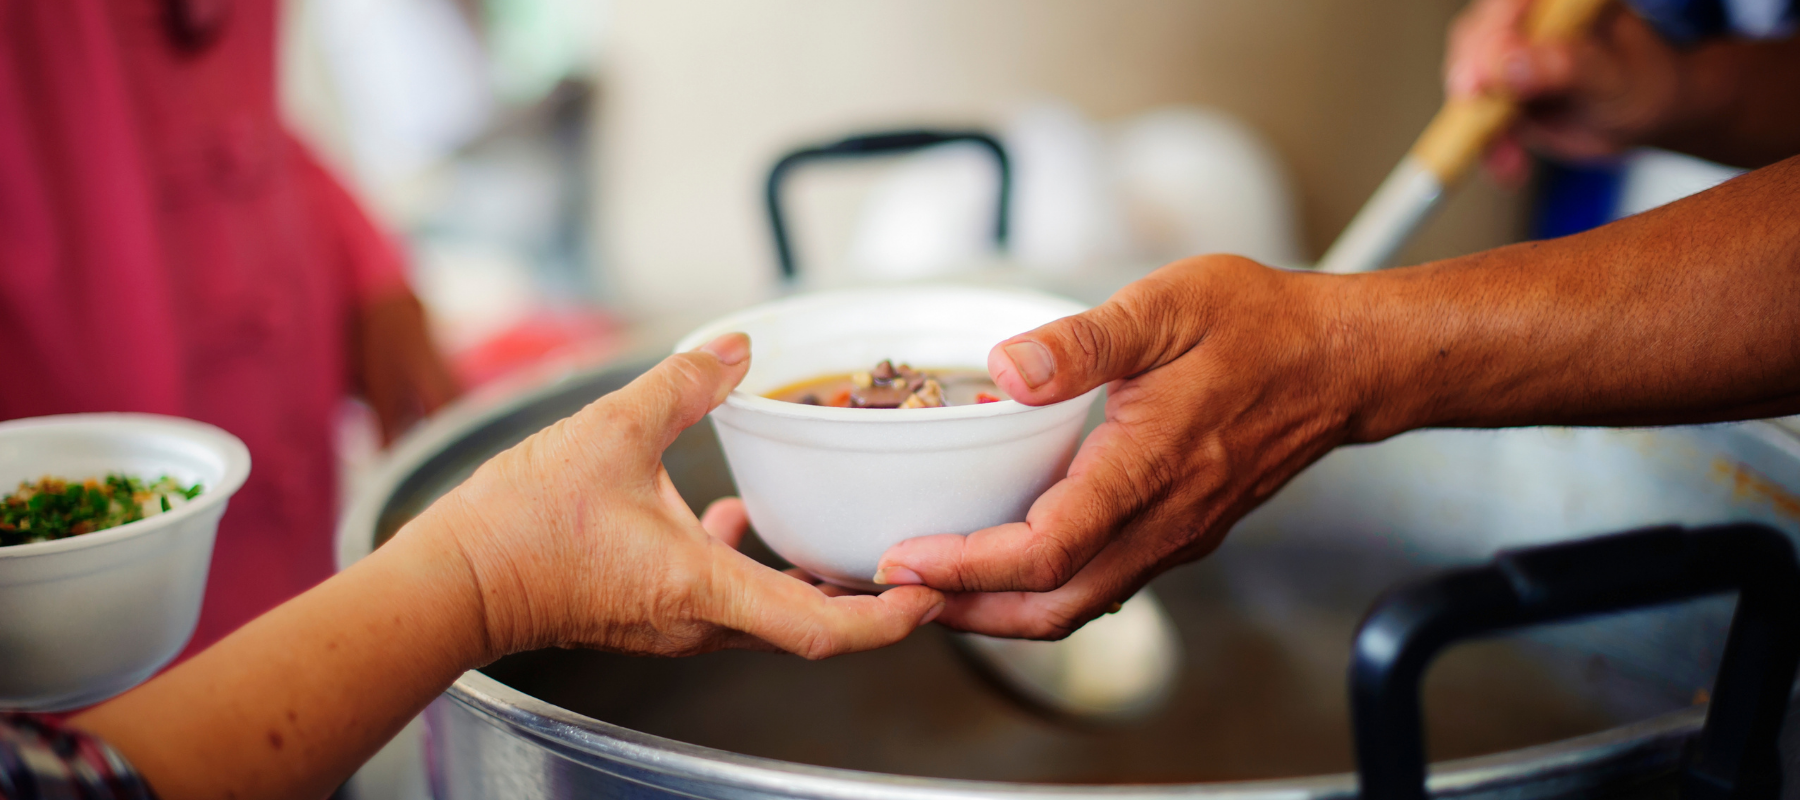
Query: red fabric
{"x": 167, "y": 246}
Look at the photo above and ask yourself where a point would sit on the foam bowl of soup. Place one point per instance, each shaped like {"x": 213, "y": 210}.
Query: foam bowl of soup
{"x": 107, "y": 524}
{"x": 867, "y": 418}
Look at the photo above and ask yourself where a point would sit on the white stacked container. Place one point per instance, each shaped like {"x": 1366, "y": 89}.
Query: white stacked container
{"x": 87, "y": 617}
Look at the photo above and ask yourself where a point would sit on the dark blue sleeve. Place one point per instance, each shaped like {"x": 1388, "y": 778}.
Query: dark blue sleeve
{"x": 1689, "y": 21}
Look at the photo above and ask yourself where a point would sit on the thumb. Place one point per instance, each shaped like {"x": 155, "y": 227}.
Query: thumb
{"x": 650, "y": 411}
{"x": 1137, "y": 330}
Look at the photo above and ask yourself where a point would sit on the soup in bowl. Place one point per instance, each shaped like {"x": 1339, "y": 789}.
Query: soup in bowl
{"x": 103, "y": 586}
{"x": 830, "y": 487}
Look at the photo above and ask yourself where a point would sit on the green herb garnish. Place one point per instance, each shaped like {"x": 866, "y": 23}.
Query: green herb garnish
{"x": 53, "y": 508}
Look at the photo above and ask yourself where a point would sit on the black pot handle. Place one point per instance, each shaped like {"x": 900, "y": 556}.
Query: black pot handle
{"x": 1736, "y": 756}
{"x": 880, "y": 144}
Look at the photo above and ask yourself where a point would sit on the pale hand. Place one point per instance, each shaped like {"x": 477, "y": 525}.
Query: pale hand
{"x": 577, "y": 538}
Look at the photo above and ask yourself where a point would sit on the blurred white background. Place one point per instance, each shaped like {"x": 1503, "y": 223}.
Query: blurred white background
{"x": 589, "y": 173}
{"x": 701, "y": 96}
{"x": 598, "y": 164}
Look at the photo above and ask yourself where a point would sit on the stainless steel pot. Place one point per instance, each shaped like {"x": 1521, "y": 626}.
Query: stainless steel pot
{"x": 1572, "y": 709}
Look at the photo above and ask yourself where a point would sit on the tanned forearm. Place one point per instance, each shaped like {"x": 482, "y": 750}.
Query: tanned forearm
{"x": 1738, "y": 103}
{"x": 1688, "y": 313}
{"x": 291, "y": 704}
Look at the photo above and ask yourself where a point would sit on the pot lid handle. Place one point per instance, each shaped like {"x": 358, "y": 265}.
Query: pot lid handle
{"x": 880, "y": 144}
{"x": 1737, "y": 754}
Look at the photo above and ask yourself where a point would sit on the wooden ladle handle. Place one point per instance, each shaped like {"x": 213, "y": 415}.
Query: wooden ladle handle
{"x": 1465, "y": 127}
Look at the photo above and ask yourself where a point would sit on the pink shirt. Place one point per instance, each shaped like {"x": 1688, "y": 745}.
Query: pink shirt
{"x": 167, "y": 246}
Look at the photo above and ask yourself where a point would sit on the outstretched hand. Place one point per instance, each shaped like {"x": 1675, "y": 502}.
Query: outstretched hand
{"x": 1221, "y": 386}
{"x": 577, "y": 537}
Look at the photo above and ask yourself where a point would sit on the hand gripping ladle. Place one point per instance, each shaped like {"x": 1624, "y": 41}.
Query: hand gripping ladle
{"x": 1453, "y": 141}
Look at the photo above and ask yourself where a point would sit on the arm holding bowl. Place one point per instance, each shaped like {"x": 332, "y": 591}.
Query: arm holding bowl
{"x": 1226, "y": 378}
{"x": 573, "y": 538}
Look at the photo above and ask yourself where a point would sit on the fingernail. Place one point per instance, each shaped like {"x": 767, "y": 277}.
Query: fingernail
{"x": 1032, "y": 361}
{"x": 897, "y": 576}
{"x": 932, "y": 614}
{"x": 730, "y": 348}
{"x": 1517, "y": 68}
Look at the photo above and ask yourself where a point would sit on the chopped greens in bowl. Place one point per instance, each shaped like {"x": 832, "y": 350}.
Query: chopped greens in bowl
{"x": 54, "y": 508}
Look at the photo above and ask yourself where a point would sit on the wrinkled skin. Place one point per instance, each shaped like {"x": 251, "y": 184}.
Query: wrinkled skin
{"x": 1227, "y": 378}
{"x": 1221, "y": 386}
{"x": 588, "y": 497}
{"x": 573, "y": 538}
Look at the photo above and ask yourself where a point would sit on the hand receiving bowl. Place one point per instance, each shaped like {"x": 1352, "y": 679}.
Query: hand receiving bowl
{"x": 831, "y": 489}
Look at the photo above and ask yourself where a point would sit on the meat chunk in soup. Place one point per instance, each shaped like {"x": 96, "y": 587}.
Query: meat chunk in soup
{"x": 890, "y": 386}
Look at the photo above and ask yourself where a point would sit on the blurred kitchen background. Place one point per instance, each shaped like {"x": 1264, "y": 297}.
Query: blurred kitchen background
{"x": 578, "y": 178}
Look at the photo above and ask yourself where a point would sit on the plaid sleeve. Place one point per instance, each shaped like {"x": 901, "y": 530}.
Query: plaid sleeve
{"x": 40, "y": 760}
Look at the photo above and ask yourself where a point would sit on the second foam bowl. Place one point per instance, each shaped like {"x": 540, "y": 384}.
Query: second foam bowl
{"x": 831, "y": 489}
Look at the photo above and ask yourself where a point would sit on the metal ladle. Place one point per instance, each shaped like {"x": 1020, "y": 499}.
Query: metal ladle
{"x": 1456, "y": 137}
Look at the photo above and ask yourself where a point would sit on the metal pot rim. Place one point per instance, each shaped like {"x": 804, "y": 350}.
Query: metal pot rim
{"x": 1586, "y": 760}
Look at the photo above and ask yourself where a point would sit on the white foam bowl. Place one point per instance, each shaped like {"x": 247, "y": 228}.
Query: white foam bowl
{"x": 831, "y": 489}
{"x": 87, "y": 617}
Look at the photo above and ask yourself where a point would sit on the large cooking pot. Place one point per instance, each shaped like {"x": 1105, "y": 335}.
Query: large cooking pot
{"x": 1267, "y": 623}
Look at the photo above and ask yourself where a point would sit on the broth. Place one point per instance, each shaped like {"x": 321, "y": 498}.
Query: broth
{"x": 888, "y": 386}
